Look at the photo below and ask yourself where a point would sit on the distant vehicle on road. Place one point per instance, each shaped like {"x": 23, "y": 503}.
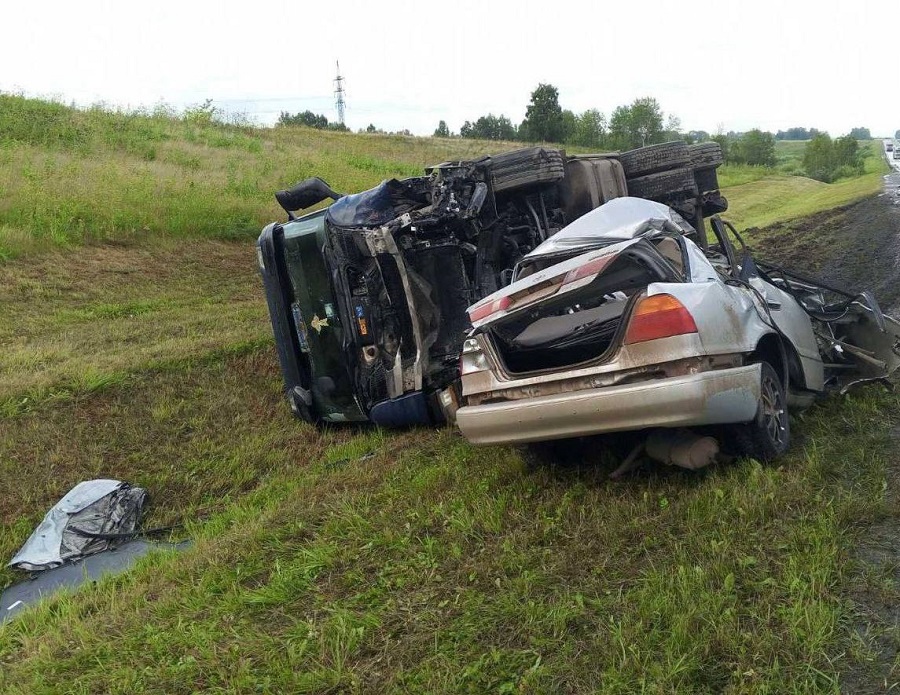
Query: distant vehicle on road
{"x": 896, "y": 154}
{"x": 889, "y": 146}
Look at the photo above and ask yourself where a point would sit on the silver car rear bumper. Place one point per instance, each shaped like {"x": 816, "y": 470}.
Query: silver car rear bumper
{"x": 708, "y": 398}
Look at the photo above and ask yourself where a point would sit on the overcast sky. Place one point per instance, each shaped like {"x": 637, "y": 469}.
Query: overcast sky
{"x": 827, "y": 64}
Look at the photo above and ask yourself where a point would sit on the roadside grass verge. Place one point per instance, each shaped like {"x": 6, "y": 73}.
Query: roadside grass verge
{"x": 72, "y": 322}
{"x": 761, "y": 196}
{"x": 770, "y": 200}
{"x": 73, "y": 176}
{"x": 415, "y": 562}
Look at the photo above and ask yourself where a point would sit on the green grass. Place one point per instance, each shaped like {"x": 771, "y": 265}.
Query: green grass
{"x": 759, "y": 197}
{"x": 347, "y": 560}
{"x": 68, "y": 321}
{"x": 75, "y": 176}
{"x": 789, "y": 162}
{"x": 774, "y": 199}
{"x": 72, "y": 176}
{"x": 432, "y": 566}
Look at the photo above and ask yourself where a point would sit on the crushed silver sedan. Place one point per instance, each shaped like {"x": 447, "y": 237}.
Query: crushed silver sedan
{"x": 625, "y": 320}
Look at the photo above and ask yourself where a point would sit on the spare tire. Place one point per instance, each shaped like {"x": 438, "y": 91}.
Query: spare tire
{"x": 664, "y": 185}
{"x": 653, "y": 158}
{"x": 525, "y": 167}
{"x": 705, "y": 155}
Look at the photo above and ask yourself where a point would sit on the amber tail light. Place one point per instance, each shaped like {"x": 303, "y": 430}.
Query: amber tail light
{"x": 659, "y": 316}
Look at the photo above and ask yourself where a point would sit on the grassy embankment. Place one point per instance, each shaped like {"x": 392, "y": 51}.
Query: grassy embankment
{"x": 428, "y": 566}
{"x": 759, "y": 197}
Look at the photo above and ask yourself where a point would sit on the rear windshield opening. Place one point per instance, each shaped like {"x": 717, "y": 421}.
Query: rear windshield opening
{"x": 576, "y": 327}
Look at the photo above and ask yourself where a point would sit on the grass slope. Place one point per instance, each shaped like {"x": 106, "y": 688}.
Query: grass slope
{"x": 355, "y": 560}
{"x": 71, "y": 176}
{"x": 414, "y": 562}
{"x": 758, "y": 197}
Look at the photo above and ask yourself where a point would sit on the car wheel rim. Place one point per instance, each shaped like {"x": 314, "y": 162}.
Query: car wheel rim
{"x": 774, "y": 413}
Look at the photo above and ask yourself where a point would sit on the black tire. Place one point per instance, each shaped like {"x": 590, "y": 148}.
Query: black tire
{"x": 654, "y": 158}
{"x": 768, "y": 435}
{"x": 526, "y": 167}
{"x": 705, "y": 155}
{"x": 301, "y": 410}
{"x": 664, "y": 185}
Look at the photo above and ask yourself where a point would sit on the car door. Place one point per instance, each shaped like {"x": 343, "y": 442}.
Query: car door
{"x": 773, "y": 304}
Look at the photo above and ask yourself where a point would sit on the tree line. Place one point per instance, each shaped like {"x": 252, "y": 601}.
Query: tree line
{"x": 810, "y": 133}
{"x": 640, "y": 123}
{"x": 309, "y": 119}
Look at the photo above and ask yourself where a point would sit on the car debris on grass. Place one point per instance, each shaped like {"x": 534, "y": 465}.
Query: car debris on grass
{"x": 91, "y": 532}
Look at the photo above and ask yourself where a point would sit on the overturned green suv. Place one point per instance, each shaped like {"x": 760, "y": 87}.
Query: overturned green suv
{"x": 368, "y": 296}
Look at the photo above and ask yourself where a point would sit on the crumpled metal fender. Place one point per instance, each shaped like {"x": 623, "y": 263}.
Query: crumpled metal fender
{"x": 731, "y": 319}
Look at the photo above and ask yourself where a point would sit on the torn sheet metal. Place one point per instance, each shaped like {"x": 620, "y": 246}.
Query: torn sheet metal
{"x": 90, "y": 517}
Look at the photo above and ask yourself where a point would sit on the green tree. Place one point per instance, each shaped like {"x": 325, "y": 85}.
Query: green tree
{"x": 797, "y": 133}
{"x": 489, "y": 127}
{"x": 827, "y": 160}
{"x": 724, "y": 143}
{"x": 307, "y": 118}
{"x": 861, "y": 134}
{"x": 673, "y": 128}
{"x": 569, "y": 123}
{"x": 818, "y": 158}
{"x": 754, "y": 147}
{"x": 442, "y": 131}
{"x": 371, "y": 128}
{"x": 848, "y": 157}
{"x": 637, "y": 125}
{"x": 543, "y": 117}
{"x": 589, "y": 129}
{"x": 696, "y": 136}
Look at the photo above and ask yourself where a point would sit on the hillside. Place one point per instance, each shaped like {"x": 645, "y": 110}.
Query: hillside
{"x": 69, "y": 176}
{"x": 358, "y": 560}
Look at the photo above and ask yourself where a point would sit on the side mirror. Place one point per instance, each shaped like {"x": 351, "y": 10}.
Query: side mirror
{"x": 304, "y": 195}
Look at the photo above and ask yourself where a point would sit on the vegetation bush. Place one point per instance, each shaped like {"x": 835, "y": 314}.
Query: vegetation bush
{"x": 755, "y": 147}
{"x": 829, "y": 160}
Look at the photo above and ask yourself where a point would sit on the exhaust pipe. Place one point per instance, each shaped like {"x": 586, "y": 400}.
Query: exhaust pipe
{"x": 680, "y": 448}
